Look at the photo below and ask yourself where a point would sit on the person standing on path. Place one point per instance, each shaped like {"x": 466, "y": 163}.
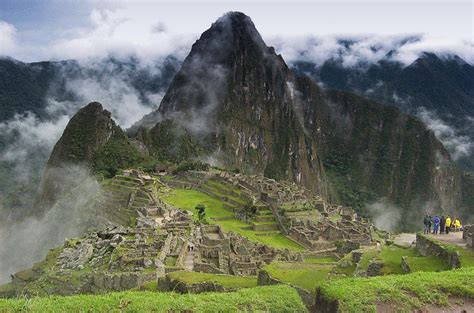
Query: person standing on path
{"x": 442, "y": 222}
{"x": 426, "y": 223}
{"x": 448, "y": 224}
{"x": 436, "y": 225}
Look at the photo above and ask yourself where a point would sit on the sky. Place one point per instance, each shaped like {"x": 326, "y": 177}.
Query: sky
{"x": 54, "y": 29}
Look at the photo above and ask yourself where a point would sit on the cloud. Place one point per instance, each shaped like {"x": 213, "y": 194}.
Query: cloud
{"x": 356, "y": 50}
{"x": 117, "y": 33}
{"x": 7, "y": 39}
{"x": 27, "y": 241}
{"x": 458, "y": 145}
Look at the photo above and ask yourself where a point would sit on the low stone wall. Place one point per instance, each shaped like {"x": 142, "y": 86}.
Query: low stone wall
{"x": 427, "y": 246}
{"x": 119, "y": 281}
{"x": 168, "y": 284}
{"x": 207, "y": 268}
{"x": 468, "y": 235}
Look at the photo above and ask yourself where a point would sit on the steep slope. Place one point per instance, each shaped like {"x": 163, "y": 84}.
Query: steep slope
{"x": 371, "y": 151}
{"x": 443, "y": 85}
{"x": 91, "y": 140}
{"x": 239, "y": 101}
{"x": 237, "y": 98}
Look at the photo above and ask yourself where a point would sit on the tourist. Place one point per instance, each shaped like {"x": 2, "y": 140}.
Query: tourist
{"x": 435, "y": 225}
{"x": 448, "y": 224}
{"x": 430, "y": 222}
{"x": 427, "y": 223}
{"x": 442, "y": 222}
{"x": 457, "y": 224}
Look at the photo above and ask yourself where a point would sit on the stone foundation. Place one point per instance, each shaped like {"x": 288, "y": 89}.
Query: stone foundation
{"x": 427, "y": 246}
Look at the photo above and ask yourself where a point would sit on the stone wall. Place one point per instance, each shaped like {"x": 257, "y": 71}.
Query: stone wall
{"x": 427, "y": 246}
{"x": 468, "y": 235}
{"x": 119, "y": 281}
{"x": 168, "y": 284}
{"x": 207, "y": 268}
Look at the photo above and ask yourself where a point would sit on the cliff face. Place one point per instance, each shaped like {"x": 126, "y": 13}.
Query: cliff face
{"x": 371, "y": 151}
{"x": 85, "y": 137}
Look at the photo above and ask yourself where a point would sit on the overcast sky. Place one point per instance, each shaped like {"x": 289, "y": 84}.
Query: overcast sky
{"x": 53, "y": 29}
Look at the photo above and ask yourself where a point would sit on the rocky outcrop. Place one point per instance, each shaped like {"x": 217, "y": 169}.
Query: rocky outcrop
{"x": 90, "y": 141}
{"x": 239, "y": 101}
{"x": 87, "y": 132}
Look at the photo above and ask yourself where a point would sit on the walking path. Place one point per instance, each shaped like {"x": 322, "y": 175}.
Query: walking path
{"x": 404, "y": 239}
{"x": 189, "y": 260}
{"x": 453, "y": 238}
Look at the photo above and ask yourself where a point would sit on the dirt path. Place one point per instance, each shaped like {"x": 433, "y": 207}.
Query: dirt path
{"x": 454, "y": 238}
{"x": 404, "y": 239}
{"x": 189, "y": 260}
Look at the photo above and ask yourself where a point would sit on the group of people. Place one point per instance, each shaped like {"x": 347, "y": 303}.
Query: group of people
{"x": 441, "y": 225}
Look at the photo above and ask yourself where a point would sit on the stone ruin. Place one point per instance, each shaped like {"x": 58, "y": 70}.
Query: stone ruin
{"x": 221, "y": 253}
{"x": 335, "y": 223}
{"x": 468, "y": 235}
{"x": 166, "y": 239}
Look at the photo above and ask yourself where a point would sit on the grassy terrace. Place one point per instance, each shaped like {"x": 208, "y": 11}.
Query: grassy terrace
{"x": 406, "y": 292}
{"x": 307, "y": 275}
{"x": 188, "y": 199}
{"x": 278, "y": 298}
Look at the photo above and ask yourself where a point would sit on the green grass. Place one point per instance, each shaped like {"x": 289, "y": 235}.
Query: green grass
{"x": 278, "y": 298}
{"x": 223, "y": 186}
{"x": 367, "y": 256}
{"x": 346, "y": 271}
{"x": 407, "y": 292}
{"x": 391, "y": 257}
{"x": 228, "y": 281}
{"x": 304, "y": 275}
{"x": 170, "y": 260}
{"x": 188, "y": 199}
{"x": 426, "y": 264}
{"x": 319, "y": 260}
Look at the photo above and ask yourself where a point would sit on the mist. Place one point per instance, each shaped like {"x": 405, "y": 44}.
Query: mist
{"x": 385, "y": 215}
{"x": 27, "y": 241}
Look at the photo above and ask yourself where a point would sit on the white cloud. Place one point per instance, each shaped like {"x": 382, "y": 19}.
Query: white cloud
{"x": 118, "y": 33}
{"x": 7, "y": 39}
{"x": 355, "y": 50}
{"x": 458, "y": 145}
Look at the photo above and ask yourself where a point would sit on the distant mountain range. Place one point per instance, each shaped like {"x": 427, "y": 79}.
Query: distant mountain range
{"x": 441, "y": 85}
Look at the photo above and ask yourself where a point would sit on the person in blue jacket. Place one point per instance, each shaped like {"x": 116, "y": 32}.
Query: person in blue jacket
{"x": 436, "y": 224}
